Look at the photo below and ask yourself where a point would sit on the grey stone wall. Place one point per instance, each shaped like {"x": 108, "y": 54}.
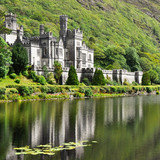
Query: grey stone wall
{"x": 116, "y": 75}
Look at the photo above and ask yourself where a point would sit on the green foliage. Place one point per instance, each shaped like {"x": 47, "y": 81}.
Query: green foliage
{"x": 125, "y": 82}
{"x": 19, "y": 58}
{"x": 88, "y": 92}
{"x": 98, "y": 78}
{"x": 32, "y": 75}
{"x": 153, "y": 76}
{"x": 45, "y": 71}
{"x": 145, "y": 64}
{"x": 146, "y": 79}
{"x": 86, "y": 81}
{"x": 25, "y": 73}
{"x": 57, "y": 71}
{"x": 25, "y": 90}
{"x": 72, "y": 77}
{"x": 50, "y": 78}
{"x": 5, "y": 57}
{"x": 41, "y": 80}
{"x": 2, "y": 91}
{"x": 18, "y": 81}
{"x": 149, "y": 89}
{"x": 132, "y": 59}
{"x": 77, "y": 94}
{"x": 13, "y": 75}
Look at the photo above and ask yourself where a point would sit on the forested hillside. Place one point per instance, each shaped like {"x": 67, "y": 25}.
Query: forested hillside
{"x": 123, "y": 33}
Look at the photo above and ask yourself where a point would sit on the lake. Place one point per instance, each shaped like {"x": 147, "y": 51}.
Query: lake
{"x": 125, "y": 128}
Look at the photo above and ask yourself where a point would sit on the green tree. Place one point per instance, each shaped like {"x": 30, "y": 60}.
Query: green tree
{"x": 145, "y": 64}
{"x": 45, "y": 71}
{"x": 115, "y": 55}
{"x": 153, "y": 76}
{"x": 72, "y": 77}
{"x": 57, "y": 71}
{"x": 5, "y": 58}
{"x": 19, "y": 58}
{"x": 146, "y": 79}
{"x": 132, "y": 59}
{"x": 98, "y": 78}
{"x": 3, "y": 29}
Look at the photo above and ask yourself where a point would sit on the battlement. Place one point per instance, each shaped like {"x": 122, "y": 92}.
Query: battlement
{"x": 10, "y": 15}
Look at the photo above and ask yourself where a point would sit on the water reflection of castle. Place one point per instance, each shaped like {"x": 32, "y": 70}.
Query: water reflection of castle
{"x": 79, "y": 125}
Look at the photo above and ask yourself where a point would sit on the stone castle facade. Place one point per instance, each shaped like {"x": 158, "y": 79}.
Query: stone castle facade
{"x": 69, "y": 50}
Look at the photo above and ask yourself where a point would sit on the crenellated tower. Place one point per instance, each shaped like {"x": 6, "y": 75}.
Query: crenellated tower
{"x": 63, "y": 27}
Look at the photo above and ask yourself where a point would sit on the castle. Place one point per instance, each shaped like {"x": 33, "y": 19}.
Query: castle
{"x": 68, "y": 50}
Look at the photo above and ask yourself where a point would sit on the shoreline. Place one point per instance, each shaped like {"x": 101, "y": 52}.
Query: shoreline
{"x": 71, "y": 97}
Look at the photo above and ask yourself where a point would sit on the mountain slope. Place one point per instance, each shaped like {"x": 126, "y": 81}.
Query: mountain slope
{"x": 134, "y": 23}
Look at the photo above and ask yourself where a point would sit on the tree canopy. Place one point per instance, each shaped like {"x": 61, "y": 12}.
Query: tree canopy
{"x": 5, "y": 58}
{"x": 19, "y": 58}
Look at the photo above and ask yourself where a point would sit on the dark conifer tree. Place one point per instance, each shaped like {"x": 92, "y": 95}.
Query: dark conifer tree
{"x": 72, "y": 77}
{"x": 19, "y": 58}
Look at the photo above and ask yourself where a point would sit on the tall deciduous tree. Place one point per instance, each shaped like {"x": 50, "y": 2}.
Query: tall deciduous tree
{"x": 132, "y": 59}
{"x": 72, "y": 77}
{"x": 5, "y": 58}
{"x": 153, "y": 76}
{"x": 98, "y": 78}
{"x": 19, "y": 58}
{"x": 57, "y": 71}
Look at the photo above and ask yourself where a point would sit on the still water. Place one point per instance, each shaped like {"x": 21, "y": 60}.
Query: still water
{"x": 126, "y": 128}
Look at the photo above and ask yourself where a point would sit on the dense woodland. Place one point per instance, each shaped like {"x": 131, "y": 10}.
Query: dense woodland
{"x": 123, "y": 34}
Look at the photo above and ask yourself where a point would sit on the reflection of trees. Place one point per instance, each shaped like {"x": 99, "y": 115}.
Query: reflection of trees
{"x": 122, "y": 109}
{"x": 118, "y": 124}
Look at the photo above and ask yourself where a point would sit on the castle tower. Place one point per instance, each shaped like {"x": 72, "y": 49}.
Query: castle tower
{"x": 63, "y": 26}
{"x": 41, "y": 29}
{"x": 11, "y": 22}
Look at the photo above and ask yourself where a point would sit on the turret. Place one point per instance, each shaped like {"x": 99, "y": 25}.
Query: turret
{"x": 41, "y": 29}
{"x": 63, "y": 26}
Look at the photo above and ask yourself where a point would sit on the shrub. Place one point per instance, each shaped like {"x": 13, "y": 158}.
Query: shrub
{"x": 136, "y": 89}
{"x": 41, "y": 80}
{"x": 25, "y": 73}
{"x": 102, "y": 90}
{"x": 149, "y": 89}
{"x": 81, "y": 89}
{"x": 2, "y": 91}
{"x": 3, "y": 97}
{"x": 88, "y": 92}
{"x": 146, "y": 79}
{"x": 25, "y": 90}
{"x": 37, "y": 90}
{"x": 50, "y": 78}
{"x": 17, "y": 81}
{"x": 12, "y": 91}
{"x": 33, "y": 76}
{"x": 13, "y": 75}
{"x": 157, "y": 92}
{"x": 72, "y": 77}
{"x": 121, "y": 90}
{"x": 43, "y": 95}
{"x": 125, "y": 82}
{"x": 52, "y": 90}
{"x": 44, "y": 89}
{"x": 14, "y": 97}
{"x": 77, "y": 94}
{"x": 86, "y": 81}
{"x": 113, "y": 89}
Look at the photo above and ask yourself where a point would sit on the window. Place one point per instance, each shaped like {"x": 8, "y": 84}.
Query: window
{"x": 60, "y": 52}
{"x": 78, "y": 43}
{"x": 90, "y": 59}
{"x": 38, "y": 63}
{"x": 38, "y": 52}
{"x": 83, "y": 58}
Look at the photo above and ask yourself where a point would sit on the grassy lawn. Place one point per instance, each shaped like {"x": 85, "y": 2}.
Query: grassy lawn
{"x": 23, "y": 81}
